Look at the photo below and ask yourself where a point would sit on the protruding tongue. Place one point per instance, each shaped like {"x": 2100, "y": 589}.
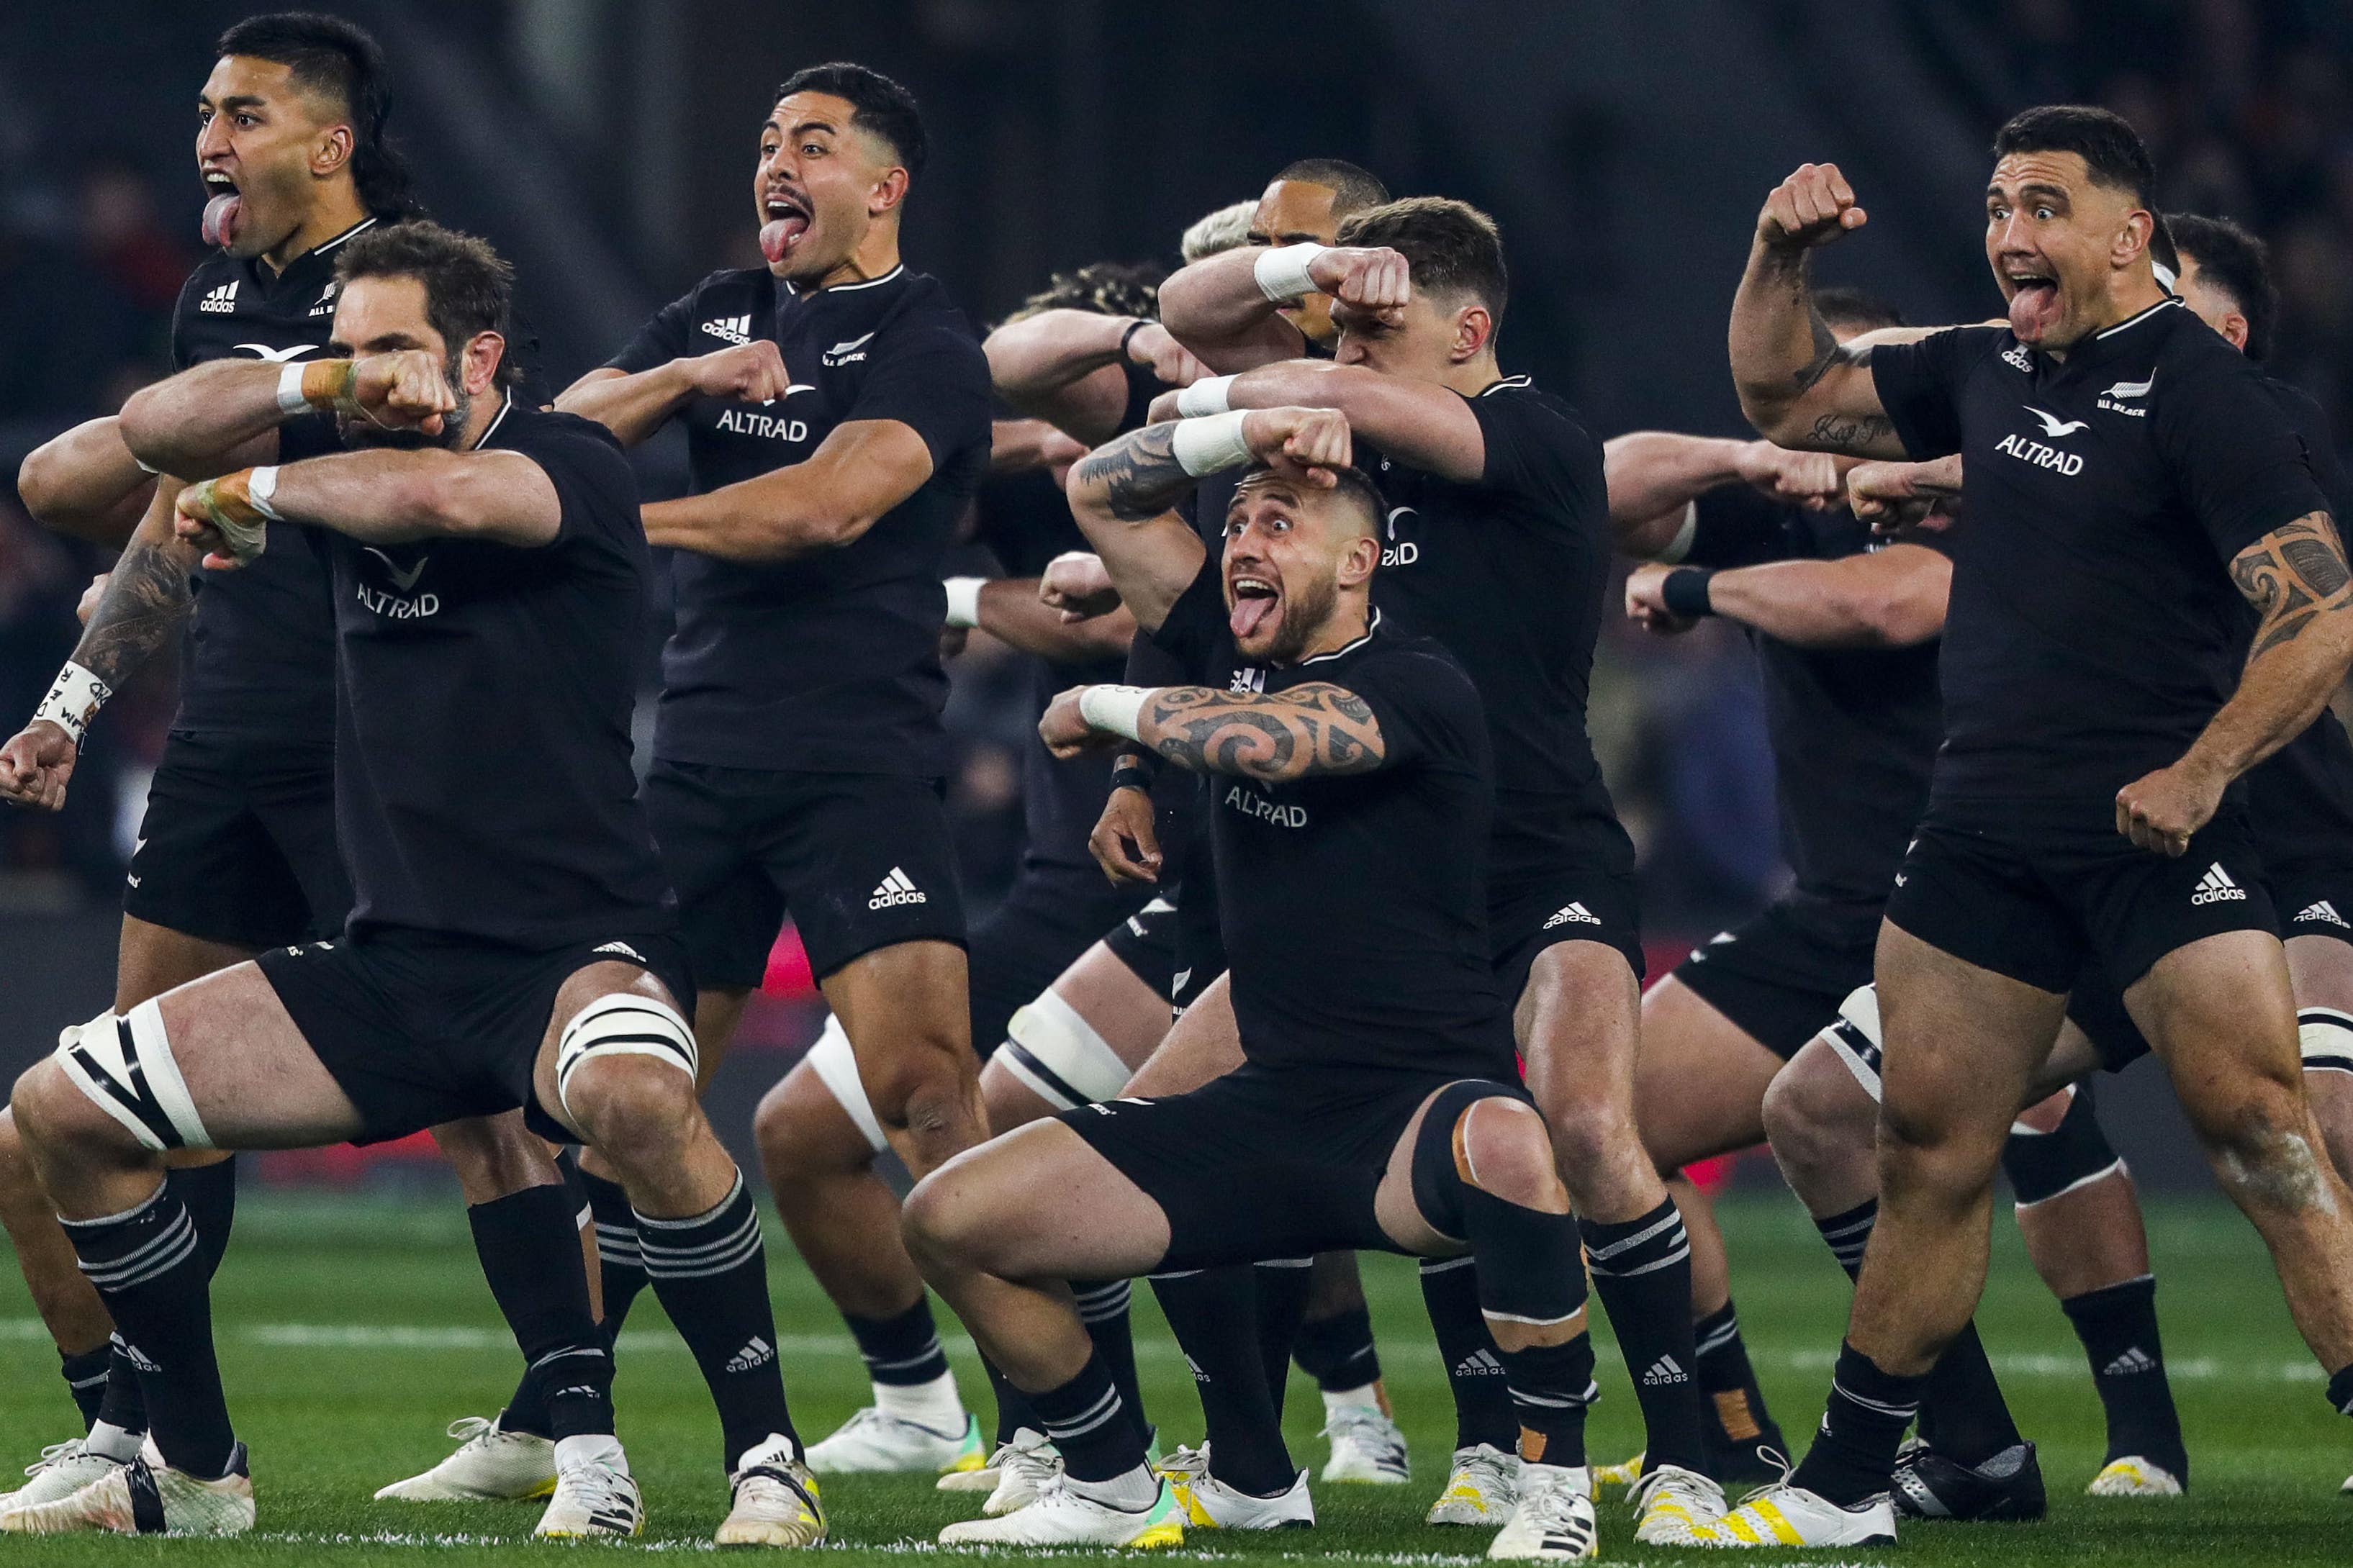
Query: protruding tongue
{"x": 776, "y": 237}
{"x": 2033, "y": 311}
{"x": 1248, "y": 614}
{"x": 220, "y": 218}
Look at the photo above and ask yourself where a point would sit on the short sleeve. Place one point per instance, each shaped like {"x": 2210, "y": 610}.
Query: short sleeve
{"x": 934, "y": 379}
{"x": 1142, "y": 386}
{"x": 594, "y": 485}
{"x": 1150, "y": 664}
{"x": 1535, "y": 450}
{"x": 2238, "y": 461}
{"x": 661, "y": 340}
{"x": 1191, "y": 634}
{"x": 1919, "y": 385}
{"x": 1734, "y": 525}
{"x": 1427, "y": 711}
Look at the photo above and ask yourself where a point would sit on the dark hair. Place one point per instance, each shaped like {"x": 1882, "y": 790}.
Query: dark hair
{"x": 2229, "y": 258}
{"x": 1105, "y": 288}
{"x": 1450, "y": 247}
{"x": 468, "y": 287}
{"x": 1350, "y": 484}
{"x": 876, "y": 104}
{"x": 1856, "y": 308}
{"x": 329, "y": 55}
{"x": 1352, "y": 188}
{"x": 2111, "y": 149}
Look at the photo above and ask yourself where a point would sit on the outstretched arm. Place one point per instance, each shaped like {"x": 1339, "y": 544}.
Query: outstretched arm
{"x": 2298, "y": 581}
{"x": 84, "y": 482}
{"x": 1224, "y": 307}
{"x": 1418, "y": 423}
{"x": 634, "y": 405}
{"x": 1046, "y": 365}
{"x": 1888, "y": 598}
{"x": 1654, "y": 474}
{"x": 189, "y": 423}
{"x": 1798, "y": 385}
{"x": 1312, "y": 729}
{"x": 378, "y": 497}
{"x": 858, "y": 473}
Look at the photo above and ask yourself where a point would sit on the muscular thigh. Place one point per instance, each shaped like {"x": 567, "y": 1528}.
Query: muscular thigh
{"x": 2219, "y": 1010}
{"x": 1962, "y": 1044}
{"x": 250, "y": 1076}
{"x": 1049, "y": 1205}
{"x": 1577, "y": 1024}
{"x": 151, "y": 959}
{"x": 1205, "y": 1042}
{"x": 1700, "y": 1079}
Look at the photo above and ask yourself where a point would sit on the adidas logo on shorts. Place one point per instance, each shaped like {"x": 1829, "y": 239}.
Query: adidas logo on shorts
{"x": 1481, "y": 1362}
{"x": 896, "y": 889}
{"x": 730, "y": 329}
{"x": 756, "y": 1351}
{"x": 221, "y": 300}
{"x": 2134, "y": 1359}
{"x": 2323, "y": 910}
{"x": 2216, "y": 887}
{"x": 1576, "y": 914}
{"x": 1666, "y": 1369}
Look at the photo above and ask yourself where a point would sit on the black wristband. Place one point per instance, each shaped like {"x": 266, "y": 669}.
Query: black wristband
{"x": 1128, "y": 336}
{"x": 1684, "y": 592}
{"x": 1131, "y": 774}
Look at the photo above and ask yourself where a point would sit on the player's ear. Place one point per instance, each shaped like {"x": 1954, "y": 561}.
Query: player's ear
{"x": 1473, "y": 326}
{"x": 1358, "y": 561}
{"x": 2132, "y": 240}
{"x": 333, "y": 150}
{"x": 2233, "y": 327}
{"x": 484, "y": 352}
{"x": 888, "y": 193}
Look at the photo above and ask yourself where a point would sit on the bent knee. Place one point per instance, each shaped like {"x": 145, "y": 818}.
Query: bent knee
{"x": 918, "y": 1078}
{"x": 629, "y": 1103}
{"x": 1506, "y": 1151}
{"x": 1816, "y": 1113}
{"x": 2260, "y": 1148}
{"x": 942, "y": 1222}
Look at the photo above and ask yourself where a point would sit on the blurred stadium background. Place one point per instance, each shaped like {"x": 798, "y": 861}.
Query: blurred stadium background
{"x": 603, "y": 144}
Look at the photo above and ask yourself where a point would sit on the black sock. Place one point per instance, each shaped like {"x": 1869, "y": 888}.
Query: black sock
{"x": 85, "y": 1376}
{"x": 1642, "y": 1271}
{"x": 151, "y": 1272}
{"x": 1214, "y": 1314}
{"x": 1742, "y": 1422}
{"x": 1482, "y": 1400}
{"x": 1853, "y": 1455}
{"x": 1966, "y": 1417}
{"x": 1548, "y": 1385}
{"x": 621, "y": 1264}
{"x": 1848, "y": 1233}
{"x": 902, "y": 1350}
{"x": 1096, "y": 1441}
{"x": 209, "y": 1194}
{"x": 1338, "y": 1352}
{"x": 2340, "y": 1389}
{"x": 1282, "y": 1288}
{"x": 529, "y": 1245}
{"x": 2118, "y": 1326}
{"x": 1104, "y": 1309}
{"x": 124, "y": 1402}
{"x": 1014, "y": 1410}
{"x": 710, "y": 1274}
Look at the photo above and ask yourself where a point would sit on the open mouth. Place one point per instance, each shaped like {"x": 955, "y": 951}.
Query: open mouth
{"x": 2034, "y": 303}
{"x": 788, "y": 219}
{"x": 1256, "y": 601}
{"x": 222, "y": 208}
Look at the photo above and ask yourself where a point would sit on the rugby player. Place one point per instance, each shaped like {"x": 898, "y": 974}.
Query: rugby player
{"x": 1497, "y": 544}
{"x": 837, "y": 422}
{"x": 508, "y": 949}
{"x": 236, "y": 852}
{"x": 1349, "y": 825}
{"x": 2084, "y": 813}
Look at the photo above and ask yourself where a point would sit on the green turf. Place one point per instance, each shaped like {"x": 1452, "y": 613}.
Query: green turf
{"x": 336, "y": 1399}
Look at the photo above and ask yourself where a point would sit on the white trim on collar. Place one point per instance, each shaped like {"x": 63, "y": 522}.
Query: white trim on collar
{"x": 1370, "y": 628}
{"x": 890, "y": 277}
{"x": 2136, "y": 320}
{"x": 368, "y": 222}
{"x": 498, "y": 419}
{"x": 1507, "y": 381}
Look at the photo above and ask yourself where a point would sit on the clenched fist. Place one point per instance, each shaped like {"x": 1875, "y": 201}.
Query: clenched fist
{"x": 1813, "y": 206}
{"x": 1371, "y": 277}
{"x": 1311, "y": 442}
{"x": 748, "y": 372}
{"x": 35, "y": 766}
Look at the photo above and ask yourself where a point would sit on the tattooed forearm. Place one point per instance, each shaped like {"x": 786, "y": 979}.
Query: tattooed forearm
{"x": 1308, "y": 730}
{"x": 1136, "y": 477}
{"x": 146, "y": 599}
{"x": 1828, "y": 352}
{"x": 2292, "y": 577}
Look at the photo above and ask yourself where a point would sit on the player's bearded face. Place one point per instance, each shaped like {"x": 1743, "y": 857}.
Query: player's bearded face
{"x": 2053, "y": 235}
{"x": 1280, "y": 587}
{"x": 360, "y": 431}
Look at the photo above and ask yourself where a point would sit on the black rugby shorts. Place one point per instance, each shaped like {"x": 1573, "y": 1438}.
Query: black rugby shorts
{"x": 1051, "y": 915}
{"x": 1781, "y": 976}
{"x": 237, "y": 845}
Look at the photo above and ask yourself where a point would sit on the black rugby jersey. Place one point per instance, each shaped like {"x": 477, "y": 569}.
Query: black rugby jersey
{"x": 483, "y": 785}
{"x": 260, "y": 655}
{"x": 2094, "y": 628}
{"x": 829, "y": 663}
{"x": 1854, "y": 730}
{"x": 1354, "y": 908}
{"x": 1509, "y": 572}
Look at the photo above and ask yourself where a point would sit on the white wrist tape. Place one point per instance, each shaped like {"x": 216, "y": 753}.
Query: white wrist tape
{"x": 290, "y": 390}
{"x": 1211, "y": 444}
{"x": 964, "y": 601}
{"x": 1282, "y": 272}
{"x": 261, "y": 485}
{"x": 1116, "y": 709}
{"x": 1207, "y": 396}
{"x": 74, "y": 700}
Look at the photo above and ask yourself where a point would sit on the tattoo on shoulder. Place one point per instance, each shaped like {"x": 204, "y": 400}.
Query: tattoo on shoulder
{"x": 1138, "y": 474}
{"x": 2292, "y": 577}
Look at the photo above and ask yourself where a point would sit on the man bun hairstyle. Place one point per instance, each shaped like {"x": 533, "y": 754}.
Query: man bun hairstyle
{"x": 1451, "y": 247}
{"x": 330, "y": 56}
{"x": 1353, "y": 189}
{"x": 2111, "y": 149}
{"x": 2229, "y": 258}
{"x": 468, "y": 287}
{"x": 878, "y": 105}
{"x": 1856, "y": 308}
{"x": 1105, "y": 288}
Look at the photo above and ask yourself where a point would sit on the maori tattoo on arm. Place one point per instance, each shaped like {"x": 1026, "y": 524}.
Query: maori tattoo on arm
{"x": 1137, "y": 477}
{"x": 2292, "y": 577}
{"x": 146, "y": 600}
{"x": 1315, "y": 729}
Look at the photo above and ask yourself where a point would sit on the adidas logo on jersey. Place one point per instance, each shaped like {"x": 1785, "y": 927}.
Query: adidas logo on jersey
{"x": 221, "y": 300}
{"x": 896, "y": 889}
{"x": 2017, "y": 358}
{"x": 2216, "y": 888}
{"x": 2135, "y": 1360}
{"x": 624, "y": 949}
{"x": 2323, "y": 910}
{"x": 1481, "y": 1362}
{"x": 730, "y": 329}
{"x": 1663, "y": 1371}
{"x": 1576, "y": 914}
{"x": 756, "y": 1351}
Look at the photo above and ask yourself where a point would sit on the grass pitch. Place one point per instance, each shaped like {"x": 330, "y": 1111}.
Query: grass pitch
{"x": 353, "y": 1329}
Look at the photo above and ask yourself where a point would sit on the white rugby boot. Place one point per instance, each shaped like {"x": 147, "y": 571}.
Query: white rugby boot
{"x": 1673, "y": 1505}
{"x": 1367, "y": 1447}
{"x": 875, "y": 1443}
{"x": 1482, "y": 1489}
{"x": 141, "y": 1499}
{"x": 488, "y": 1465}
{"x": 774, "y": 1502}
{"x": 63, "y": 1469}
{"x": 1554, "y": 1519}
{"x": 595, "y": 1496}
{"x": 1023, "y": 1467}
{"x": 1060, "y": 1516}
{"x": 1210, "y": 1504}
{"x": 2133, "y": 1475}
{"x": 1784, "y": 1515}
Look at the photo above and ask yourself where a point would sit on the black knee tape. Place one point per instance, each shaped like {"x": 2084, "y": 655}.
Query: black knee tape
{"x": 1530, "y": 1267}
{"x": 2041, "y": 1166}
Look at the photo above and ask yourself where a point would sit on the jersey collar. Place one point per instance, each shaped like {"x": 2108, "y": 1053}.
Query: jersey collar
{"x": 1370, "y": 628}
{"x": 1507, "y": 381}
{"x": 497, "y": 419}
{"x": 890, "y": 277}
{"x": 2129, "y": 323}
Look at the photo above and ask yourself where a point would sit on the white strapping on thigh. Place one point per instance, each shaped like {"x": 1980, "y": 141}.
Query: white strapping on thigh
{"x": 1059, "y": 1058}
{"x": 836, "y": 1066}
{"x": 622, "y": 1024}
{"x": 124, "y": 1065}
